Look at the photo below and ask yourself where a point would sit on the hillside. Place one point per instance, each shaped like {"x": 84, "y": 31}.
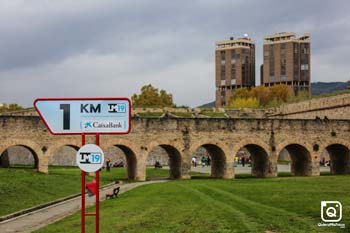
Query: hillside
{"x": 319, "y": 88}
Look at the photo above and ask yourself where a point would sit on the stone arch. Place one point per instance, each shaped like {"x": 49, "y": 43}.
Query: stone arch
{"x": 221, "y": 161}
{"x": 339, "y": 154}
{"x": 175, "y": 156}
{"x": 130, "y": 151}
{"x": 33, "y": 147}
{"x": 76, "y": 144}
{"x": 63, "y": 156}
{"x": 300, "y": 153}
{"x": 262, "y": 164}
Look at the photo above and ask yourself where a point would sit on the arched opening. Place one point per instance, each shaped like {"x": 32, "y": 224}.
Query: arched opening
{"x": 157, "y": 155}
{"x": 64, "y": 156}
{"x": 19, "y": 156}
{"x": 166, "y": 155}
{"x": 122, "y": 157}
{"x": 212, "y": 157}
{"x": 299, "y": 157}
{"x": 254, "y": 156}
{"x": 339, "y": 156}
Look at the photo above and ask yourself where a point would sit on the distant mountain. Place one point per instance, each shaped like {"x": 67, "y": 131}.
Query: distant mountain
{"x": 208, "y": 105}
{"x": 319, "y": 88}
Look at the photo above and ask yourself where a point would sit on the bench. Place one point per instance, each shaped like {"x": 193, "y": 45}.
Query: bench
{"x": 114, "y": 194}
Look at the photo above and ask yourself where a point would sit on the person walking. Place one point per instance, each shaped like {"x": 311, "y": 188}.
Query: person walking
{"x": 194, "y": 161}
{"x": 243, "y": 161}
{"x": 203, "y": 161}
{"x": 108, "y": 164}
{"x": 208, "y": 161}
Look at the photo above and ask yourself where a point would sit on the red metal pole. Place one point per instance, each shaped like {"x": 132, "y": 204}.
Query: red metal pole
{"x": 82, "y": 191}
{"x": 98, "y": 192}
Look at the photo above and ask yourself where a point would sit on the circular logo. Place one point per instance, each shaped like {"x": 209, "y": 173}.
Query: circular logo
{"x": 90, "y": 158}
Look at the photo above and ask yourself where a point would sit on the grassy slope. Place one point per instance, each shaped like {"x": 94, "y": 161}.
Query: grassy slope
{"x": 290, "y": 204}
{"x": 23, "y": 188}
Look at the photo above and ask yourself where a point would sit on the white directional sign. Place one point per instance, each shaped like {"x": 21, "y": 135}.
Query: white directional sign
{"x": 89, "y": 115}
{"x": 90, "y": 158}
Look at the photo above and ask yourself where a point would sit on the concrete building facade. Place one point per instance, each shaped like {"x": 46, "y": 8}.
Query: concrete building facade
{"x": 234, "y": 67}
{"x": 287, "y": 61}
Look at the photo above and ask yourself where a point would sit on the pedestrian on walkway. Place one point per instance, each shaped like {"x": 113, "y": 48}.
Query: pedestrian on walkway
{"x": 243, "y": 161}
{"x": 194, "y": 161}
{"x": 108, "y": 164}
{"x": 208, "y": 161}
{"x": 235, "y": 162}
{"x": 203, "y": 161}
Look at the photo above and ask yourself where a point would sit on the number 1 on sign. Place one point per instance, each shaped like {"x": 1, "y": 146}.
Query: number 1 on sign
{"x": 66, "y": 116}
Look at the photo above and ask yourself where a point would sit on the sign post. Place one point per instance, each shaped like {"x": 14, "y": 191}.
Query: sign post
{"x": 66, "y": 116}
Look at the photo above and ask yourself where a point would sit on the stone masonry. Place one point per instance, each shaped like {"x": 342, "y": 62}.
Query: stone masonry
{"x": 333, "y": 107}
{"x": 180, "y": 138}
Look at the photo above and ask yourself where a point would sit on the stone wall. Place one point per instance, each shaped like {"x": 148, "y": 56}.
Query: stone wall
{"x": 26, "y": 112}
{"x": 66, "y": 156}
{"x": 249, "y": 113}
{"x": 181, "y": 137}
{"x": 333, "y": 107}
{"x": 17, "y": 155}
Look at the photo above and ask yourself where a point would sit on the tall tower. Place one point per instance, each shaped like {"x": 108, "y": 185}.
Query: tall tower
{"x": 287, "y": 61}
{"x": 234, "y": 67}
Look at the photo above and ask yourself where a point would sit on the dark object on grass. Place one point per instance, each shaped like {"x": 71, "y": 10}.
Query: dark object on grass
{"x": 114, "y": 194}
{"x": 157, "y": 165}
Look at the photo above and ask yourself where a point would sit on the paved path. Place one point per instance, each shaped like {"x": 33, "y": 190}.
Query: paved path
{"x": 40, "y": 218}
{"x": 247, "y": 170}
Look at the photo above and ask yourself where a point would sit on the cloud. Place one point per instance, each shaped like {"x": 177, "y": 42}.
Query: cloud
{"x": 110, "y": 48}
{"x": 92, "y": 75}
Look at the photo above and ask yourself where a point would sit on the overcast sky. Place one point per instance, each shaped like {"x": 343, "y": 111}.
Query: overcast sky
{"x": 85, "y": 48}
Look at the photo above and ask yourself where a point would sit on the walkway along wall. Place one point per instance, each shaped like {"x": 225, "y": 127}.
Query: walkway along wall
{"x": 305, "y": 141}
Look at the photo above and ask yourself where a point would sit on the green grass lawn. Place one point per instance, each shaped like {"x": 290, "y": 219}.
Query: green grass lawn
{"x": 283, "y": 162}
{"x": 214, "y": 114}
{"x": 288, "y": 204}
{"x": 150, "y": 114}
{"x": 22, "y": 188}
{"x": 183, "y": 114}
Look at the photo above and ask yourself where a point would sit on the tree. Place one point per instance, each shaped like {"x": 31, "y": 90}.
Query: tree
{"x": 152, "y": 97}
{"x": 10, "y": 108}
{"x": 301, "y": 96}
{"x": 260, "y": 97}
{"x": 241, "y": 93}
{"x": 261, "y": 93}
{"x": 280, "y": 92}
{"x": 250, "y": 102}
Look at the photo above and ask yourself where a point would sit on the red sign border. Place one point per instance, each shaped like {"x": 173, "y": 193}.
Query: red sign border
{"x": 77, "y": 99}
